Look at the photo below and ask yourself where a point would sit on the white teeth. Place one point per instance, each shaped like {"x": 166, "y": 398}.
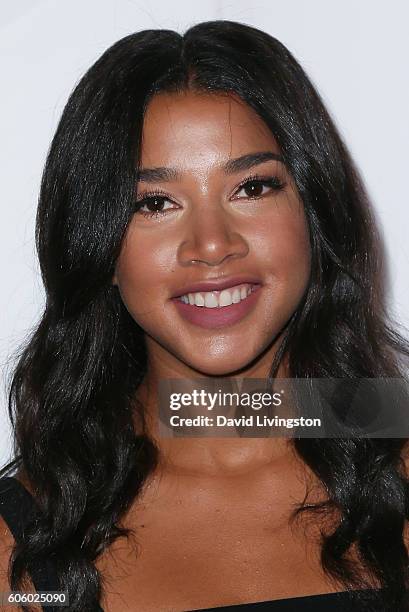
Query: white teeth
{"x": 236, "y": 296}
{"x": 199, "y": 299}
{"x": 225, "y": 298}
{"x": 210, "y": 300}
{"x": 214, "y": 299}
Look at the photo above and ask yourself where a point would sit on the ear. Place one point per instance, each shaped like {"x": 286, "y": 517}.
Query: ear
{"x": 114, "y": 280}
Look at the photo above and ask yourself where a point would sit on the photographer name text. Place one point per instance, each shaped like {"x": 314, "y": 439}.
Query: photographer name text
{"x": 253, "y": 420}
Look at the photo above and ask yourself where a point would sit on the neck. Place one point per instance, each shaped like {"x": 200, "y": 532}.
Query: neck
{"x": 223, "y": 456}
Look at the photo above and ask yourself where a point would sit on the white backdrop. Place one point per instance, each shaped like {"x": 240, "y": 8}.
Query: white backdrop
{"x": 356, "y": 53}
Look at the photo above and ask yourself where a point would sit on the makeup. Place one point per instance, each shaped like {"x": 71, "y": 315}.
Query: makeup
{"x": 219, "y": 316}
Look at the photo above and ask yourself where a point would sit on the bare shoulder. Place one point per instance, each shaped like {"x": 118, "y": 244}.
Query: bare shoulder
{"x": 6, "y": 547}
{"x": 7, "y": 542}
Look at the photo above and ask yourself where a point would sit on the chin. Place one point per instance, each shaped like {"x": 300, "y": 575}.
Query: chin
{"x": 219, "y": 366}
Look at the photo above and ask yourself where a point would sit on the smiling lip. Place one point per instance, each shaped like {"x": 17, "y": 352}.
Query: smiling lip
{"x": 211, "y": 318}
{"x": 217, "y": 284}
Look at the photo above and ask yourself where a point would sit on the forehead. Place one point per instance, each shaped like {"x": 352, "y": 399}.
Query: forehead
{"x": 190, "y": 128}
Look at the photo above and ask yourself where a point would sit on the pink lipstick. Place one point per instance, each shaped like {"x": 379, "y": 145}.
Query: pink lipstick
{"x": 219, "y": 316}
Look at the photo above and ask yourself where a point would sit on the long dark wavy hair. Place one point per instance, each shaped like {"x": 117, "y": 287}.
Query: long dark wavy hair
{"x": 72, "y": 394}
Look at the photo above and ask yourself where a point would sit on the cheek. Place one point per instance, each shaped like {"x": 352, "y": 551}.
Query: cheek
{"x": 284, "y": 247}
{"x": 143, "y": 271}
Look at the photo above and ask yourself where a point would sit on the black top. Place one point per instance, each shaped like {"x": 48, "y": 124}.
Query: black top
{"x": 17, "y": 507}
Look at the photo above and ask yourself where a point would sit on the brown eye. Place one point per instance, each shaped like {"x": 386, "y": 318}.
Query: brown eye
{"x": 253, "y": 189}
{"x": 257, "y": 188}
{"x": 152, "y": 206}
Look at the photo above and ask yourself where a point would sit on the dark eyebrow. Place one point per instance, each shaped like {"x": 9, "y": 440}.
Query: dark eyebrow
{"x": 252, "y": 159}
{"x": 245, "y": 162}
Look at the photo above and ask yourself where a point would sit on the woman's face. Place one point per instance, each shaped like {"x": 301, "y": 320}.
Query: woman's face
{"x": 214, "y": 203}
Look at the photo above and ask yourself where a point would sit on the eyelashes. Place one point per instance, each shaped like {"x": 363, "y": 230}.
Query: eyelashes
{"x": 255, "y": 183}
{"x": 255, "y": 187}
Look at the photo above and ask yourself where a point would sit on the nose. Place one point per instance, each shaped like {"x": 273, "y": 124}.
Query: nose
{"x": 212, "y": 237}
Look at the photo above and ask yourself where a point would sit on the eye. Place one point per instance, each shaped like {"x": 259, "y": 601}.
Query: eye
{"x": 254, "y": 187}
{"x": 257, "y": 187}
{"x": 153, "y": 205}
